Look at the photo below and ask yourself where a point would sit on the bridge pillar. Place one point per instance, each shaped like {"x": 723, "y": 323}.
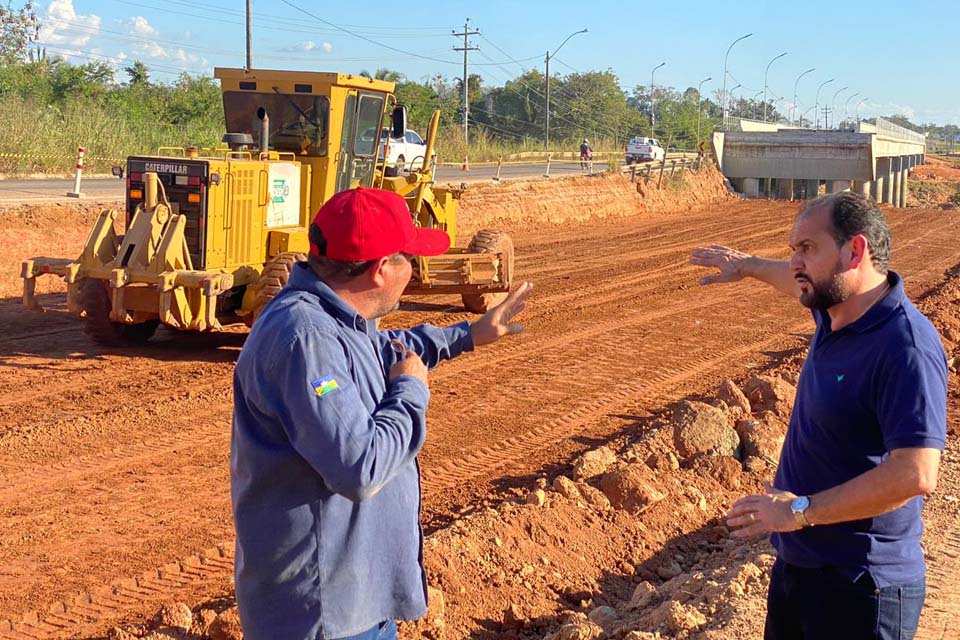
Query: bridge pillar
{"x": 785, "y": 188}
{"x": 884, "y": 180}
{"x": 904, "y": 175}
{"x": 838, "y": 186}
{"x": 751, "y": 187}
{"x": 864, "y": 188}
{"x": 811, "y": 189}
{"x": 897, "y": 165}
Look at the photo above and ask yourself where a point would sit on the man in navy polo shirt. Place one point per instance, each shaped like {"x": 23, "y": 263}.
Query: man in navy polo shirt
{"x": 329, "y": 415}
{"x": 865, "y": 437}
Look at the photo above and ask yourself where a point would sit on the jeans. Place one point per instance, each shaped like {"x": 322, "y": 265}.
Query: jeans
{"x": 821, "y": 604}
{"x": 383, "y": 631}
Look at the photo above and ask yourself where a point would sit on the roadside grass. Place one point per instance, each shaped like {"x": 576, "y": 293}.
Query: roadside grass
{"x": 44, "y": 139}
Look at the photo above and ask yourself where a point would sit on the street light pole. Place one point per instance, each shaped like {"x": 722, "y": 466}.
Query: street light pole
{"x": 765, "y": 84}
{"x": 652, "y": 101}
{"x": 833, "y": 103}
{"x": 546, "y": 125}
{"x": 794, "y": 107}
{"x": 776, "y": 100}
{"x": 846, "y": 105}
{"x": 724, "y": 90}
{"x": 858, "y": 109}
{"x": 700, "y": 107}
{"x": 816, "y": 102}
{"x": 735, "y": 88}
{"x": 805, "y": 113}
{"x": 755, "y": 96}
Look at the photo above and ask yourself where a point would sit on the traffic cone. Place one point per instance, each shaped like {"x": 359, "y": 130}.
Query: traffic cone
{"x": 466, "y": 164}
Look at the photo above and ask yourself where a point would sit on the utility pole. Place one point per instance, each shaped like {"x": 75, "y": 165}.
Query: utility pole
{"x": 249, "y": 38}
{"x": 466, "y": 48}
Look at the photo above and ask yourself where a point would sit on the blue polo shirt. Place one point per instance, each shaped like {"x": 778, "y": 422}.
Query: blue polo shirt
{"x": 324, "y": 478}
{"x": 876, "y": 385}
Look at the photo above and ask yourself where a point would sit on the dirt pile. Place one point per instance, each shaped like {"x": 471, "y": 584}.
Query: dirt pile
{"x": 537, "y": 202}
{"x": 622, "y": 549}
{"x": 56, "y": 231}
{"x": 935, "y": 184}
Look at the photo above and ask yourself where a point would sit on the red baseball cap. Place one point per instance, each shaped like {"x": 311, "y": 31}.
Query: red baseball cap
{"x": 366, "y": 224}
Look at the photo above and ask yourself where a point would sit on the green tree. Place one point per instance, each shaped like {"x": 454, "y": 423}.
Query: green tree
{"x": 421, "y": 101}
{"x": 139, "y": 73}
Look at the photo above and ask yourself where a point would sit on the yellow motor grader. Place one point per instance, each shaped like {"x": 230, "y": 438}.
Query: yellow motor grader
{"x": 210, "y": 236}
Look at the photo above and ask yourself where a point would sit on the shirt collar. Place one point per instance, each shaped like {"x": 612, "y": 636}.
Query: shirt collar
{"x": 302, "y": 278}
{"x": 881, "y": 310}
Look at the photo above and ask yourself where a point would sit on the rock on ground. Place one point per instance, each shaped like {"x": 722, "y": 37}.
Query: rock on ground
{"x": 769, "y": 393}
{"x": 593, "y": 463}
{"x": 227, "y": 626}
{"x": 700, "y": 429}
{"x": 632, "y": 488}
{"x": 731, "y": 394}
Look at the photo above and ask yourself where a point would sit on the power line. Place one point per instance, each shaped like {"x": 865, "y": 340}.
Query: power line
{"x": 364, "y": 38}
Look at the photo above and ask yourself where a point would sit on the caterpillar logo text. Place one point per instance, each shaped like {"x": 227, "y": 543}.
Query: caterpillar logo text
{"x": 162, "y": 167}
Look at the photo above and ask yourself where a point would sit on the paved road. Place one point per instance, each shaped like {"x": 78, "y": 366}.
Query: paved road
{"x": 110, "y": 188}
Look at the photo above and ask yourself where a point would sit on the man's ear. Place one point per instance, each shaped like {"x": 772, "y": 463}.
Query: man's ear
{"x": 376, "y": 272}
{"x": 858, "y": 251}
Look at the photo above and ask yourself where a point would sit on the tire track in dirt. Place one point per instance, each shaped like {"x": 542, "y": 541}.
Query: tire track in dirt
{"x": 85, "y": 613}
{"x": 941, "y": 610}
{"x": 490, "y": 459}
{"x": 88, "y": 611}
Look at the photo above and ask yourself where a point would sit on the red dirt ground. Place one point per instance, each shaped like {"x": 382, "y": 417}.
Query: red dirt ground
{"x": 114, "y": 494}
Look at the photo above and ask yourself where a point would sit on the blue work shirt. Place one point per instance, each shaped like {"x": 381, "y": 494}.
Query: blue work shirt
{"x": 324, "y": 478}
{"x": 876, "y": 385}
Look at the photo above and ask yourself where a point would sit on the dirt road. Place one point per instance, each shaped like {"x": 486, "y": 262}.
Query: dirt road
{"x": 114, "y": 487}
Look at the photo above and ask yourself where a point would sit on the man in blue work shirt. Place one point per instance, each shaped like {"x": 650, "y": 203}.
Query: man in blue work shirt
{"x": 329, "y": 415}
{"x": 865, "y": 437}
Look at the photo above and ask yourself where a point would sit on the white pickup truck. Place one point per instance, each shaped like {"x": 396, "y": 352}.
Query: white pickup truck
{"x": 641, "y": 149}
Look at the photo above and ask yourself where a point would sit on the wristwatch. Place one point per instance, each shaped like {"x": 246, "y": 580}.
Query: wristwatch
{"x": 799, "y": 506}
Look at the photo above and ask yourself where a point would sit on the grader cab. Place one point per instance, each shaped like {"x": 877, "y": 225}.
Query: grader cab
{"x": 210, "y": 236}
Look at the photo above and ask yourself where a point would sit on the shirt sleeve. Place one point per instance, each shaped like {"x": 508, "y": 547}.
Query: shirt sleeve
{"x": 354, "y": 451}
{"x": 431, "y": 343}
{"x": 912, "y": 399}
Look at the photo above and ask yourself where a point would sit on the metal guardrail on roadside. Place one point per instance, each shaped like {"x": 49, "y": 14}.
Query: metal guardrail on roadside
{"x": 646, "y": 171}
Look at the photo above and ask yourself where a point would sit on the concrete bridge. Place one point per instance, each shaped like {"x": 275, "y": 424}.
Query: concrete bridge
{"x": 787, "y": 163}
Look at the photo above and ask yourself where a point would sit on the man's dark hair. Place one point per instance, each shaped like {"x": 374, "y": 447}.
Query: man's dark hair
{"x": 853, "y": 214}
{"x": 337, "y": 270}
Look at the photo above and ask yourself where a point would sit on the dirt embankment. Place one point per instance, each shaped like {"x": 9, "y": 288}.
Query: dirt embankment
{"x": 59, "y": 230}
{"x": 935, "y": 183}
{"x": 542, "y": 202}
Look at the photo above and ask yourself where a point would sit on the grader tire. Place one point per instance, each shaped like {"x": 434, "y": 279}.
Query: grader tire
{"x": 272, "y": 279}
{"x": 489, "y": 241}
{"x": 94, "y": 298}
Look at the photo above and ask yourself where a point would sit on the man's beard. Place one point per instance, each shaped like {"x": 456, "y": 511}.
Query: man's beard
{"x": 826, "y": 293}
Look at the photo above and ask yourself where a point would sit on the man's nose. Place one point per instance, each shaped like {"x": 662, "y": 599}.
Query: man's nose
{"x": 796, "y": 263}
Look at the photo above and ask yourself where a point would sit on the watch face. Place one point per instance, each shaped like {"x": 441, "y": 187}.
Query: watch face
{"x": 800, "y": 504}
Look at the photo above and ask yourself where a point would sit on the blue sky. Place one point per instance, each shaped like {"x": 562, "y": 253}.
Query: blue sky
{"x": 903, "y": 57}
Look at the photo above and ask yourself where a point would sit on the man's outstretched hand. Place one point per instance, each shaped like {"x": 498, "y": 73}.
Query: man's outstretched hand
{"x": 498, "y": 322}
{"x": 729, "y": 261}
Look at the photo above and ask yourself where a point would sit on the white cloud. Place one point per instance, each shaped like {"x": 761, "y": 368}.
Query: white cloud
{"x": 138, "y": 25}
{"x": 310, "y": 45}
{"x": 889, "y": 109}
{"x": 62, "y": 26}
{"x": 150, "y": 49}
